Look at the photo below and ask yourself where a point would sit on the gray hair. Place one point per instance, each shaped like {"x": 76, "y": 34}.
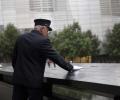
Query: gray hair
{"x": 38, "y": 27}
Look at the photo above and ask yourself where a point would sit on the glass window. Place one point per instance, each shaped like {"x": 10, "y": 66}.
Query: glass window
{"x": 110, "y": 7}
{"x": 41, "y": 5}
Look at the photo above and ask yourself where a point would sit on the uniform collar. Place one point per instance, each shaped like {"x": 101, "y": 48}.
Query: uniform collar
{"x": 35, "y": 31}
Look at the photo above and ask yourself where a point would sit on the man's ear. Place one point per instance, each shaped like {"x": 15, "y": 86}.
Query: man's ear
{"x": 44, "y": 27}
{"x": 41, "y": 29}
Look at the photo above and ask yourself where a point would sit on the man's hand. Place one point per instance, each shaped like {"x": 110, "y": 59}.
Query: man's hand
{"x": 75, "y": 68}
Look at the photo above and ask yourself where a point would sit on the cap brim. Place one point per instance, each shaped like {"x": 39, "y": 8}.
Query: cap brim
{"x": 49, "y": 28}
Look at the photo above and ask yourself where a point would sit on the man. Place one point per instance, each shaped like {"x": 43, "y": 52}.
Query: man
{"x": 30, "y": 53}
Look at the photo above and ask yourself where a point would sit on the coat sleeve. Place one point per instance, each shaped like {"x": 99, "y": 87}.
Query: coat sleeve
{"x": 50, "y": 53}
{"x": 14, "y": 55}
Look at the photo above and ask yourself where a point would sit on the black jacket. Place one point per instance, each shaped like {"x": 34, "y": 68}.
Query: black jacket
{"x": 29, "y": 59}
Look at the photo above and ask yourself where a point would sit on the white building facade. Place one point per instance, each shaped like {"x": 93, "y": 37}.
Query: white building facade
{"x": 94, "y": 15}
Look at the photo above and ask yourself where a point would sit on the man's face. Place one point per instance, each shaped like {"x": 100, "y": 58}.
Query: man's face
{"x": 45, "y": 31}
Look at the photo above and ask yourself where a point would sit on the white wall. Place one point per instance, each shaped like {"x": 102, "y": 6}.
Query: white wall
{"x": 1, "y": 22}
{"x": 87, "y": 12}
{"x": 8, "y": 13}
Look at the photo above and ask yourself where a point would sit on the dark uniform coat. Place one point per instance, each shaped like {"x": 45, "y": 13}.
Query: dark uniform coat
{"x": 29, "y": 59}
